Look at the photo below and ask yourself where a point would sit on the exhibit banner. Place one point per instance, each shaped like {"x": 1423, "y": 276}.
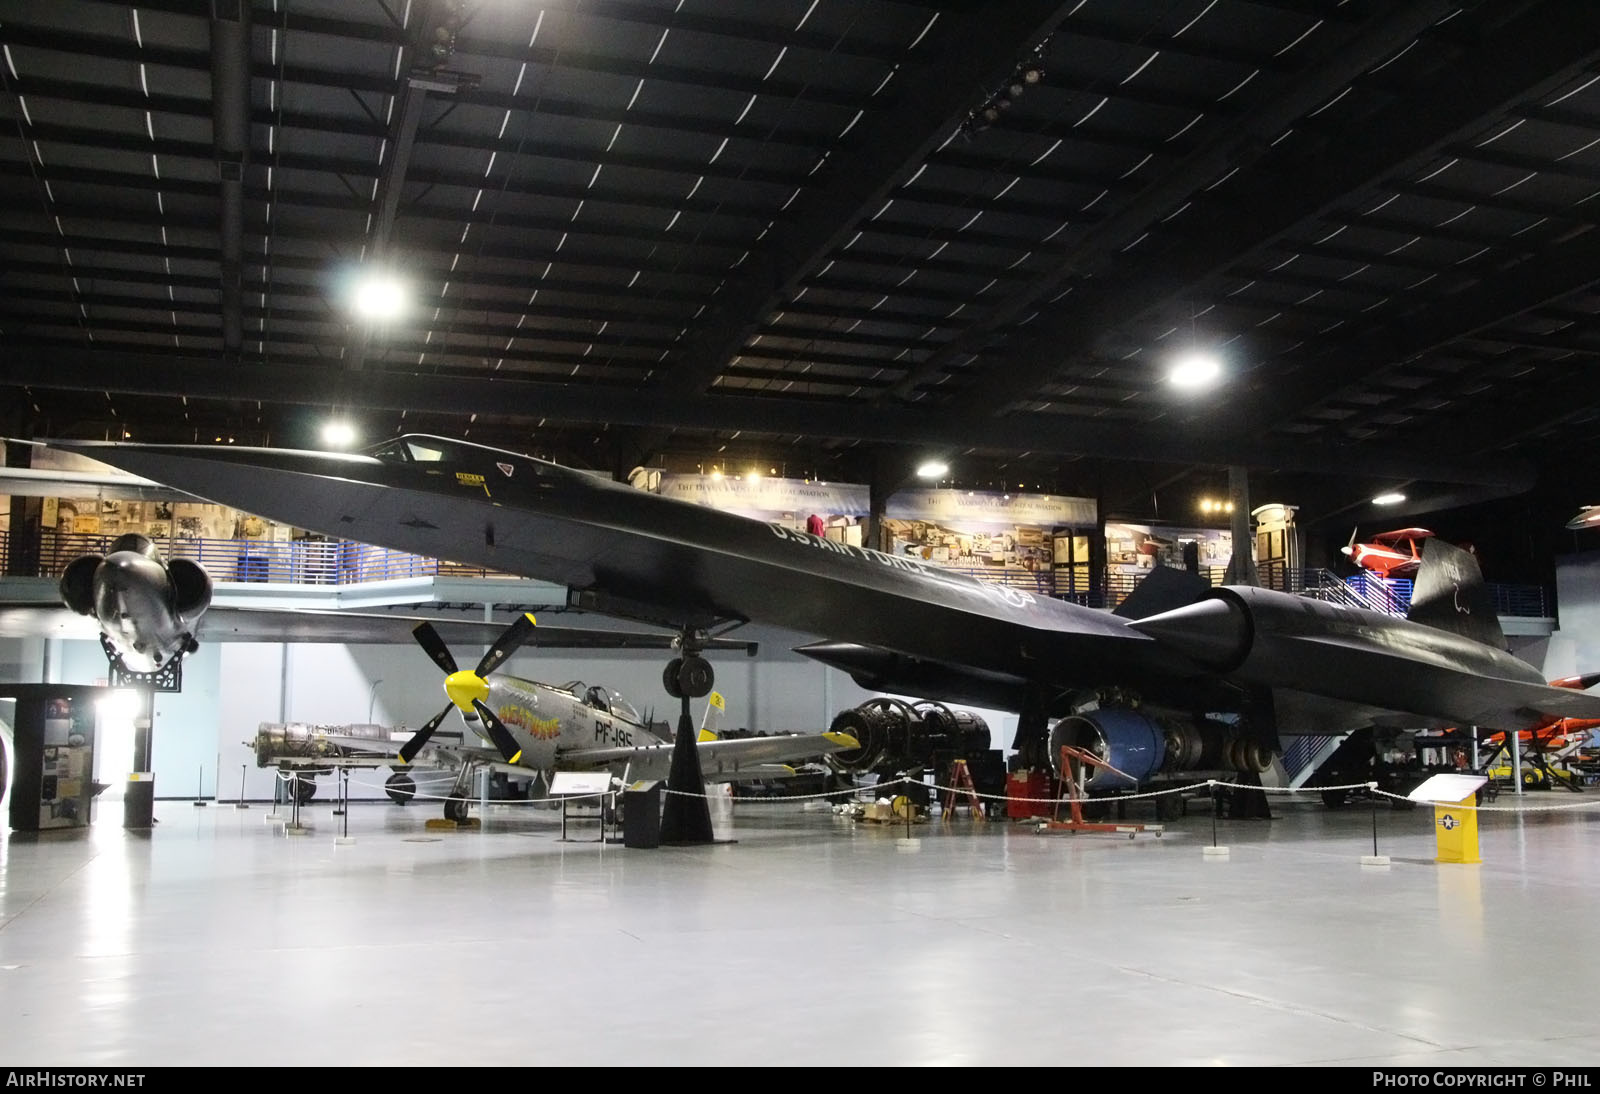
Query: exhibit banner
{"x": 986, "y": 507}
{"x": 1012, "y": 539}
{"x": 1135, "y": 548}
{"x": 834, "y": 509}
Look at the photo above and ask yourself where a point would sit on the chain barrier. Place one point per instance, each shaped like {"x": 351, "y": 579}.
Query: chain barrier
{"x": 417, "y": 795}
{"x": 963, "y": 792}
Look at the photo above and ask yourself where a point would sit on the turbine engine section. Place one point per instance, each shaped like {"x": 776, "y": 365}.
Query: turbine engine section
{"x": 280, "y": 742}
{"x": 896, "y": 735}
{"x": 1129, "y": 740}
{"x": 1143, "y": 745}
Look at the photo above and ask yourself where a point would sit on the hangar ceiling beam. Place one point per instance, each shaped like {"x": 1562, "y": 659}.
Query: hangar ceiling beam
{"x": 1244, "y": 141}
{"x": 230, "y": 137}
{"x": 968, "y": 51}
{"x": 1473, "y": 310}
{"x": 55, "y": 368}
{"x": 1535, "y": 51}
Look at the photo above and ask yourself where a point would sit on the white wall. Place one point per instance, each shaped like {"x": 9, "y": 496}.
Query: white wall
{"x": 230, "y": 688}
{"x": 1575, "y": 646}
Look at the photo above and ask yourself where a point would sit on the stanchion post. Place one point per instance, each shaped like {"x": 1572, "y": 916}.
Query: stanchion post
{"x": 242, "y": 769}
{"x": 1374, "y": 798}
{"x": 1212, "y": 786}
{"x": 905, "y": 785}
{"x": 1374, "y": 859}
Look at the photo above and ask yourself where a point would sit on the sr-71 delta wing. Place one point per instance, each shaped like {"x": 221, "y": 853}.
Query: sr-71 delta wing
{"x": 1181, "y": 677}
{"x": 149, "y": 612}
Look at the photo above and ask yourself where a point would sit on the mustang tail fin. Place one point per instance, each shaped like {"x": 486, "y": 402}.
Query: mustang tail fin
{"x": 711, "y": 722}
{"x": 1449, "y": 595}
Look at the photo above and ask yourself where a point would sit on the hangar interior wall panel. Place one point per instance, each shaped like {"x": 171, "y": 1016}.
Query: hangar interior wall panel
{"x": 1575, "y": 646}
{"x": 232, "y": 687}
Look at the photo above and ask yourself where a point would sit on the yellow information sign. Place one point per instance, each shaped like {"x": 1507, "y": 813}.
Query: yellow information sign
{"x": 1455, "y": 827}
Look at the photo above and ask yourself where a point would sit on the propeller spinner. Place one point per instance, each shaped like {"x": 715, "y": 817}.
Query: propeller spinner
{"x": 468, "y": 691}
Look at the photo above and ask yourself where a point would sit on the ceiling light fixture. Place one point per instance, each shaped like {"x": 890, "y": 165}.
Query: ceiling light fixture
{"x": 338, "y": 434}
{"x": 933, "y": 470}
{"x": 1394, "y": 497}
{"x": 379, "y": 298}
{"x": 1195, "y": 371}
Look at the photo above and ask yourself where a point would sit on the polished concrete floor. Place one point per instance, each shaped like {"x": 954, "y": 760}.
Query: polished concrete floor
{"x": 219, "y": 939}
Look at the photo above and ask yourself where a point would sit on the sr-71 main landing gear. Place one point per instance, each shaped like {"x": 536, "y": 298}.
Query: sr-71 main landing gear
{"x": 688, "y": 677}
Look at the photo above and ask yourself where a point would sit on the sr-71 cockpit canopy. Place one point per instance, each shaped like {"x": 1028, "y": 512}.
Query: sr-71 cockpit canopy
{"x": 424, "y": 450}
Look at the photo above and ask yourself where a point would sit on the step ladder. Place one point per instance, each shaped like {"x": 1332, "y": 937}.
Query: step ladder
{"x": 961, "y": 786}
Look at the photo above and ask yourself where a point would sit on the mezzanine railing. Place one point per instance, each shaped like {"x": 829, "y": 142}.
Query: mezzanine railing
{"x": 344, "y": 562}
{"x": 298, "y": 561}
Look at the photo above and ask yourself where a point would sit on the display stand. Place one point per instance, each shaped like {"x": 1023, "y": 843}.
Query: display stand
{"x": 568, "y": 785}
{"x": 1074, "y": 762}
{"x": 641, "y": 814}
{"x": 1455, "y": 818}
{"x": 686, "y": 819}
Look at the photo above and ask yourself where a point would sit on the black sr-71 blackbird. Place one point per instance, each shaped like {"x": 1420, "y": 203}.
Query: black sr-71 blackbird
{"x": 1181, "y": 677}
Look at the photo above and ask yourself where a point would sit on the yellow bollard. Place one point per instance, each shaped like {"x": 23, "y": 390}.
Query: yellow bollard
{"x": 1455, "y": 828}
{"x": 1455, "y": 821}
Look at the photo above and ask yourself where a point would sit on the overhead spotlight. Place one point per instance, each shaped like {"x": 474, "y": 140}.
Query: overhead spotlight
{"x": 439, "y": 43}
{"x": 1032, "y": 75}
{"x": 1394, "y": 497}
{"x": 338, "y": 434}
{"x": 1015, "y": 89}
{"x": 716, "y": 473}
{"x": 933, "y": 469}
{"x": 379, "y": 298}
{"x": 1206, "y": 505}
{"x": 753, "y": 475}
{"x": 1195, "y": 371}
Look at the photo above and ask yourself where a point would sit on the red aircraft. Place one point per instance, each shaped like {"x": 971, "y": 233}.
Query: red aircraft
{"x": 1390, "y": 554}
{"x": 1588, "y": 517}
{"x": 1554, "y": 733}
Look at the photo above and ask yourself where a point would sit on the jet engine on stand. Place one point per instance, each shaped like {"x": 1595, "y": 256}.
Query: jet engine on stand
{"x": 899, "y": 737}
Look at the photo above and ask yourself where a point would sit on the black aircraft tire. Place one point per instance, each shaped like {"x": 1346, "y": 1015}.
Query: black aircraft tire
{"x": 456, "y": 809}
{"x": 695, "y": 678}
{"x": 400, "y": 787}
{"x": 669, "y": 677}
{"x": 305, "y": 789}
